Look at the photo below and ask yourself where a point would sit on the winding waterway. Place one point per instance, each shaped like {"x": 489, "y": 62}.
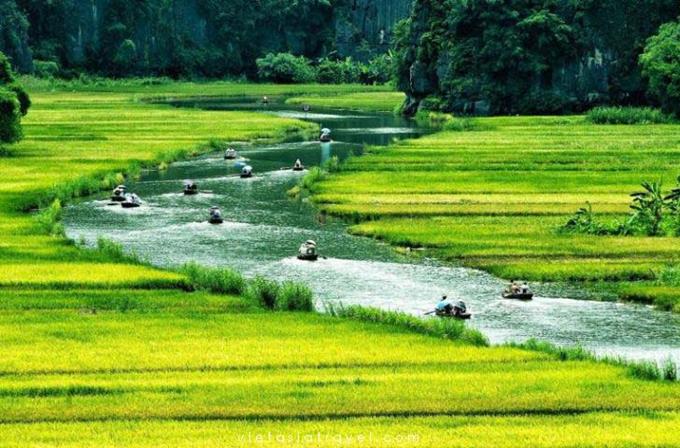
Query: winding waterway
{"x": 264, "y": 228}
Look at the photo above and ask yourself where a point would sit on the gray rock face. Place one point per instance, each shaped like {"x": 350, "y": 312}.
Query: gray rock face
{"x": 364, "y": 27}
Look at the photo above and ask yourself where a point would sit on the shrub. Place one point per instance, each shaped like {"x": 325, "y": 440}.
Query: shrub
{"x": 49, "y": 219}
{"x": 627, "y": 115}
{"x": 263, "y": 291}
{"x": 294, "y": 296}
{"x": 10, "y": 117}
{"x": 45, "y": 69}
{"x": 221, "y": 281}
{"x": 379, "y": 70}
{"x": 285, "y": 68}
{"x": 661, "y": 65}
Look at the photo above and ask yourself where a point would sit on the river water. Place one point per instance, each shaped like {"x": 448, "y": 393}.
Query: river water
{"x": 264, "y": 227}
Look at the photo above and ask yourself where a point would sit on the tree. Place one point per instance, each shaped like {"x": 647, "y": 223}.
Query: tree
{"x": 661, "y": 64}
{"x": 14, "y": 103}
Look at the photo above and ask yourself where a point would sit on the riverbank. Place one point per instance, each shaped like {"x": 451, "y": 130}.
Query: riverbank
{"x": 92, "y": 346}
{"x": 494, "y": 193}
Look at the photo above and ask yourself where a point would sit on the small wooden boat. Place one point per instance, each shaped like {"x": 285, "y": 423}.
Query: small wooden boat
{"x": 246, "y": 171}
{"x": 190, "y": 188}
{"x": 230, "y": 154}
{"x": 215, "y": 216}
{"x": 325, "y": 135}
{"x": 463, "y": 315}
{"x": 518, "y": 295}
{"x": 131, "y": 201}
{"x": 457, "y": 311}
{"x": 118, "y": 194}
{"x": 308, "y": 251}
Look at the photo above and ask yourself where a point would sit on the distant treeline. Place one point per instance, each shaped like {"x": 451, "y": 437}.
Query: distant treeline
{"x": 534, "y": 56}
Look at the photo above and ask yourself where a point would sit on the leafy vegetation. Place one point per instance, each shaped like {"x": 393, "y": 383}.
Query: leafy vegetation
{"x": 627, "y": 115}
{"x": 661, "y": 64}
{"x": 528, "y": 57}
{"x": 14, "y": 103}
{"x": 653, "y": 214}
{"x": 286, "y": 68}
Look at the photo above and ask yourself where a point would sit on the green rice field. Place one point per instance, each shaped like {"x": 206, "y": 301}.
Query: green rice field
{"x": 495, "y": 197}
{"x": 100, "y": 351}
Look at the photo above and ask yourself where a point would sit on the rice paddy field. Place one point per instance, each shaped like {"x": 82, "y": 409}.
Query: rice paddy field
{"x": 494, "y": 198}
{"x": 100, "y": 351}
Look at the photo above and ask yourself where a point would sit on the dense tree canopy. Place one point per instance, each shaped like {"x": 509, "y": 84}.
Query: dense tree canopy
{"x": 14, "y": 102}
{"x": 661, "y": 64}
{"x": 526, "y": 56}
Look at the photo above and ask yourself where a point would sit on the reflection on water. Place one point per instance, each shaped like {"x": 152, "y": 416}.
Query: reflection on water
{"x": 263, "y": 229}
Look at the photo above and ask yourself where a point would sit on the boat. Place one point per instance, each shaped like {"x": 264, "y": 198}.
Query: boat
{"x": 325, "y": 136}
{"x": 457, "y": 311}
{"x": 518, "y": 295}
{"x": 246, "y": 171}
{"x": 118, "y": 194}
{"x": 215, "y": 216}
{"x": 306, "y": 107}
{"x": 308, "y": 251}
{"x": 230, "y": 154}
{"x": 131, "y": 201}
{"x": 298, "y": 166}
{"x": 190, "y": 187}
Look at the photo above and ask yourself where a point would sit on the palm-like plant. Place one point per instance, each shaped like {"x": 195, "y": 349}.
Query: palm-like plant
{"x": 672, "y": 201}
{"x": 649, "y": 205}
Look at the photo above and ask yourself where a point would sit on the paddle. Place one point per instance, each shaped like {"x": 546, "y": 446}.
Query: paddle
{"x": 430, "y": 312}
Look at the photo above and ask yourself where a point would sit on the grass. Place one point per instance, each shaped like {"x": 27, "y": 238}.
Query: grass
{"x": 495, "y": 198}
{"x": 101, "y": 349}
{"x": 385, "y": 101}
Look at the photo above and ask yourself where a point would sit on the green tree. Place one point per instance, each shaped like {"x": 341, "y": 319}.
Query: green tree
{"x": 14, "y": 103}
{"x": 661, "y": 64}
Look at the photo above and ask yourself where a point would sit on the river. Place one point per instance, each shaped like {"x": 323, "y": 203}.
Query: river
{"x": 264, "y": 227}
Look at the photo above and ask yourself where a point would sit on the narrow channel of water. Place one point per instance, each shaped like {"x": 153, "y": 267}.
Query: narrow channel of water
{"x": 264, "y": 228}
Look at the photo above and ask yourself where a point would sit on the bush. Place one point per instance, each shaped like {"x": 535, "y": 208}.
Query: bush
{"x": 661, "y": 65}
{"x": 263, "y": 291}
{"x": 49, "y": 219}
{"x": 379, "y": 70}
{"x": 294, "y": 296}
{"x": 221, "y": 281}
{"x": 285, "y": 68}
{"x": 45, "y": 69}
{"x": 10, "y": 117}
{"x": 627, "y": 115}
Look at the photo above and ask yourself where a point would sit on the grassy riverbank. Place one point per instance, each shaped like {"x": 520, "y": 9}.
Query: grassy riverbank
{"x": 98, "y": 351}
{"x": 494, "y": 197}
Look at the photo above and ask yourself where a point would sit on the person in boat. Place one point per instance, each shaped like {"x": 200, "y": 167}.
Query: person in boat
{"x": 445, "y": 306}
{"x": 514, "y": 287}
{"x": 215, "y": 214}
{"x": 190, "y": 187}
{"x": 298, "y": 166}
{"x": 459, "y": 308}
{"x": 525, "y": 288}
{"x": 308, "y": 251}
{"x": 265, "y": 99}
{"x": 247, "y": 171}
{"x": 119, "y": 193}
{"x": 230, "y": 153}
{"x": 325, "y": 135}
